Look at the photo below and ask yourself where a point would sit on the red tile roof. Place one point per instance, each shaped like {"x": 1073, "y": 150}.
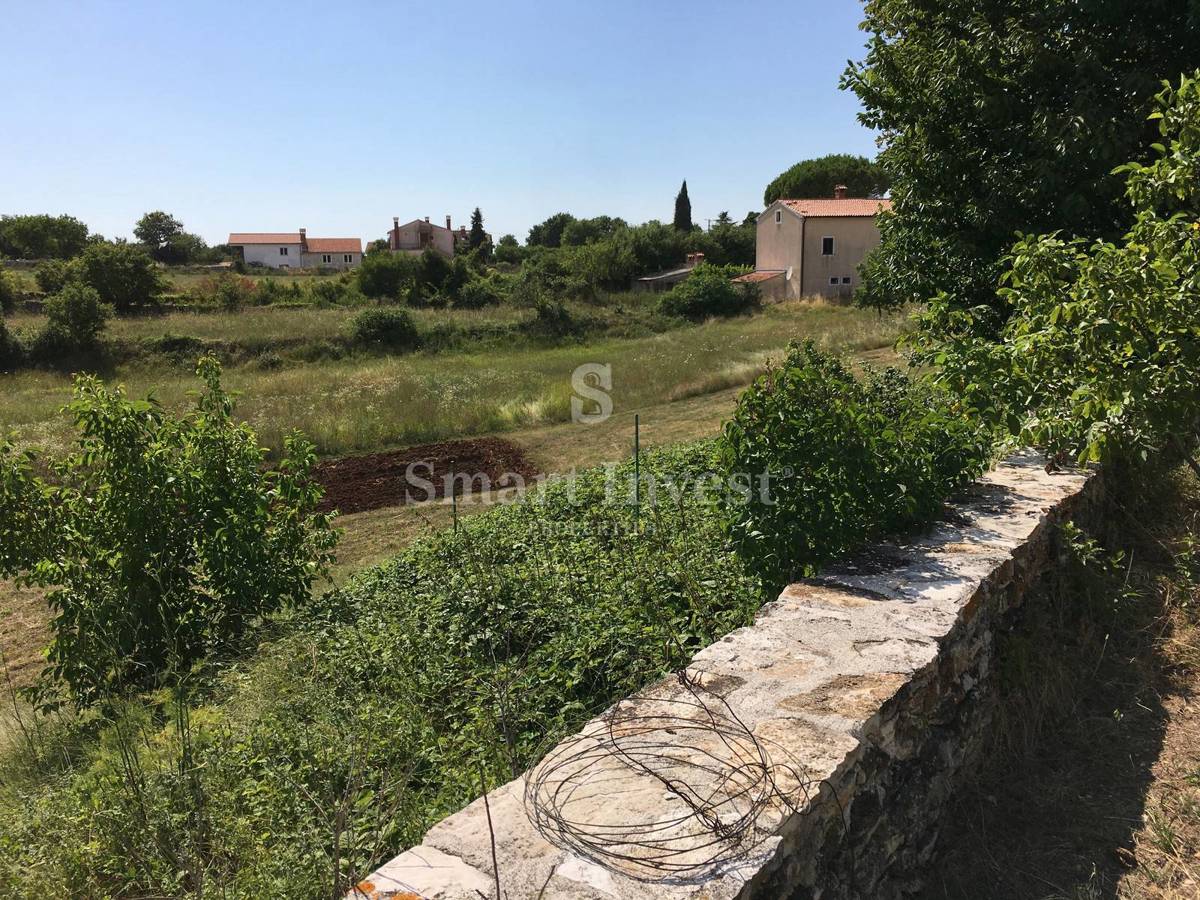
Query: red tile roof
{"x": 851, "y": 206}
{"x": 755, "y": 277}
{"x": 270, "y": 237}
{"x": 335, "y": 245}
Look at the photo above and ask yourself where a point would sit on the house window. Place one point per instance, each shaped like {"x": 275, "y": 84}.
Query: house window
{"x": 827, "y": 246}
{"x": 326, "y": 257}
{"x": 778, "y": 216}
{"x": 283, "y": 251}
{"x": 348, "y": 257}
{"x": 846, "y": 280}
{"x": 833, "y": 280}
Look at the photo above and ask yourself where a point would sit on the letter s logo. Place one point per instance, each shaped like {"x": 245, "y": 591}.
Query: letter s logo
{"x": 591, "y": 381}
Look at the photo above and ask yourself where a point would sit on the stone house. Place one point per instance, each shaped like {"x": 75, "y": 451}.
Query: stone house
{"x": 421, "y": 235}
{"x": 296, "y": 250}
{"x": 807, "y": 248}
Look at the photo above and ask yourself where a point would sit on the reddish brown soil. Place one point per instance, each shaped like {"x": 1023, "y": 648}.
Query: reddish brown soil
{"x": 375, "y": 480}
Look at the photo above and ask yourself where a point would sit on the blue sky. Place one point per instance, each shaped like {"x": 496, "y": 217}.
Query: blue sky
{"x": 262, "y": 116}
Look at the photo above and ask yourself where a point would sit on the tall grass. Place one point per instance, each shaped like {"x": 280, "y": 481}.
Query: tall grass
{"x": 369, "y": 402}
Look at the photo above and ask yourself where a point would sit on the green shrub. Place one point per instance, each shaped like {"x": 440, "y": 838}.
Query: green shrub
{"x": 385, "y": 276}
{"x": 8, "y": 291}
{"x": 710, "y": 291}
{"x": 477, "y": 293}
{"x": 76, "y": 316}
{"x": 12, "y": 354}
{"x": 123, "y": 274}
{"x": 844, "y": 460}
{"x": 341, "y": 291}
{"x": 1101, "y": 354}
{"x": 161, "y": 539}
{"x": 381, "y": 327}
{"x": 52, "y": 274}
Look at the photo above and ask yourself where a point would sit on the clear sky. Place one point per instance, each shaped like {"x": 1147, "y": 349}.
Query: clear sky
{"x": 265, "y": 116}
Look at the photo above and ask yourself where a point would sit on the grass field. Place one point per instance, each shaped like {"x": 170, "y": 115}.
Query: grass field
{"x": 364, "y": 403}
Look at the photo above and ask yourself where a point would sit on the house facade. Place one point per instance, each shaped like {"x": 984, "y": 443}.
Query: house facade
{"x": 296, "y": 250}
{"x": 420, "y": 235}
{"x": 807, "y": 248}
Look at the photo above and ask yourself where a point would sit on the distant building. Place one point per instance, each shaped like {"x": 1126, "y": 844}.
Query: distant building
{"x": 664, "y": 281}
{"x": 421, "y": 235}
{"x": 808, "y": 248}
{"x": 296, "y": 250}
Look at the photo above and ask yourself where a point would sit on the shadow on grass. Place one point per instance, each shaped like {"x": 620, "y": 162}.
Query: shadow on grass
{"x": 1086, "y": 684}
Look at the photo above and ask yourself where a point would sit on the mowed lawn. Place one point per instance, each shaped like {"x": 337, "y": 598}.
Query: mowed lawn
{"x": 369, "y": 402}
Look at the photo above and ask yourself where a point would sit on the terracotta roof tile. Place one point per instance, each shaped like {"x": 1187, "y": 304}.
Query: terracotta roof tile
{"x": 335, "y": 245}
{"x": 851, "y": 206}
{"x": 265, "y": 237}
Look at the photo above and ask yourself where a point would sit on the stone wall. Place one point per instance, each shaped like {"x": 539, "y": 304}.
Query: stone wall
{"x": 809, "y": 755}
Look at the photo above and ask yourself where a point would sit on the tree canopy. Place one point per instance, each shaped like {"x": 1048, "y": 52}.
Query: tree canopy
{"x": 477, "y": 235}
{"x": 1001, "y": 117}
{"x": 818, "y": 177}
{"x": 42, "y": 237}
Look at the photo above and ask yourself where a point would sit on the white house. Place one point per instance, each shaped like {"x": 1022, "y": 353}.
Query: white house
{"x": 296, "y": 250}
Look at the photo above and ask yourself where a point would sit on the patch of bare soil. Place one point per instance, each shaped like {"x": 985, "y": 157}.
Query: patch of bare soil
{"x": 415, "y": 474}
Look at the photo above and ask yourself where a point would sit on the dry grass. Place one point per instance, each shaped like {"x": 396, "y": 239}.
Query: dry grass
{"x": 369, "y": 403}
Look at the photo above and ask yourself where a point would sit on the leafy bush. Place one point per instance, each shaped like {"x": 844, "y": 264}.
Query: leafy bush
{"x": 843, "y": 460}
{"x": 42, "y": 237}
{"x": 8, "y": 291}
{"x": 1101, "y": 353}
{"x": 342, "y": 291}
{"x": 161, "y": 539}
{"x": 12, "y": 354}
{"x": 385, "y": 275}
{"x": 123, "y": 274}
{"x": 710, "y": 291}
{"x": 381, "y": 327}
{"x": 52, "y": 274}
{"x": 77, "y": 316}
{"x": 478, "y": 293}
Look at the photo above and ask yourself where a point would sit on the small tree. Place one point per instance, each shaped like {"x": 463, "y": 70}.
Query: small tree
{"x": 156, "y": 230}
{"x": 123, "y": 274}
{"x": 683, "y": 209}
{"x": 710, "y": 291}
{"x": 161, "y": 539}
{"x": 76, "y": 316}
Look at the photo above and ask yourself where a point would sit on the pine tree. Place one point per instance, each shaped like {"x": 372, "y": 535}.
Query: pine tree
{"x": 683, "y": 210}
{"x": 478, "y": 235}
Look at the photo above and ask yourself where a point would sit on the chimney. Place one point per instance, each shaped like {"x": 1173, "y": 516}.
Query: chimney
{"x": 448, "y": 228}
{"x": 303, "y": 240}
{"x": 427, "y": 218}
{"x": 839, "y": 192}
{"x": 394, "y": 234}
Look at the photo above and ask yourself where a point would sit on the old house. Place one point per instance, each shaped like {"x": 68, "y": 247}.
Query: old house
{"x": 421, "y": 235}
{"x": 810, "y": 248}
{"x": 664, "y": 281}
{"x": 296, "y": 250}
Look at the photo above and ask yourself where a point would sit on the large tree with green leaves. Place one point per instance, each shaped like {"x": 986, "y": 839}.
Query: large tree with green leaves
{"x": 818, "y": 178}
{"x": 1003, "y": 116}
{"x": 1101, "y": 351}
{"x": 683, "y": 209}
{"x": 42, "y": 237}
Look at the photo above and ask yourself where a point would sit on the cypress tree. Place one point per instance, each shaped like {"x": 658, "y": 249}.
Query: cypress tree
{"x": 683, "y": 209}
{"x": 478, "y": 235}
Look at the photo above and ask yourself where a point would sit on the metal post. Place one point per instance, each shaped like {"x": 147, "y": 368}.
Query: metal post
{"x": 637, "y": 470}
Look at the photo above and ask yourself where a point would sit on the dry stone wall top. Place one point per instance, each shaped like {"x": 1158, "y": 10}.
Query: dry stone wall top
{"x": 807, "y": 755}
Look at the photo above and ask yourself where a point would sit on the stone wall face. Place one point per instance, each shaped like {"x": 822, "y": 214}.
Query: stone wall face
{"x": 817, "y": 747}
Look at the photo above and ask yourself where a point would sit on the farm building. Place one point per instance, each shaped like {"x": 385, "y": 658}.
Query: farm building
{"x": 810, "y": 248}
{"x": 296, "y": 250}
{"x": 664, "y": 281}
